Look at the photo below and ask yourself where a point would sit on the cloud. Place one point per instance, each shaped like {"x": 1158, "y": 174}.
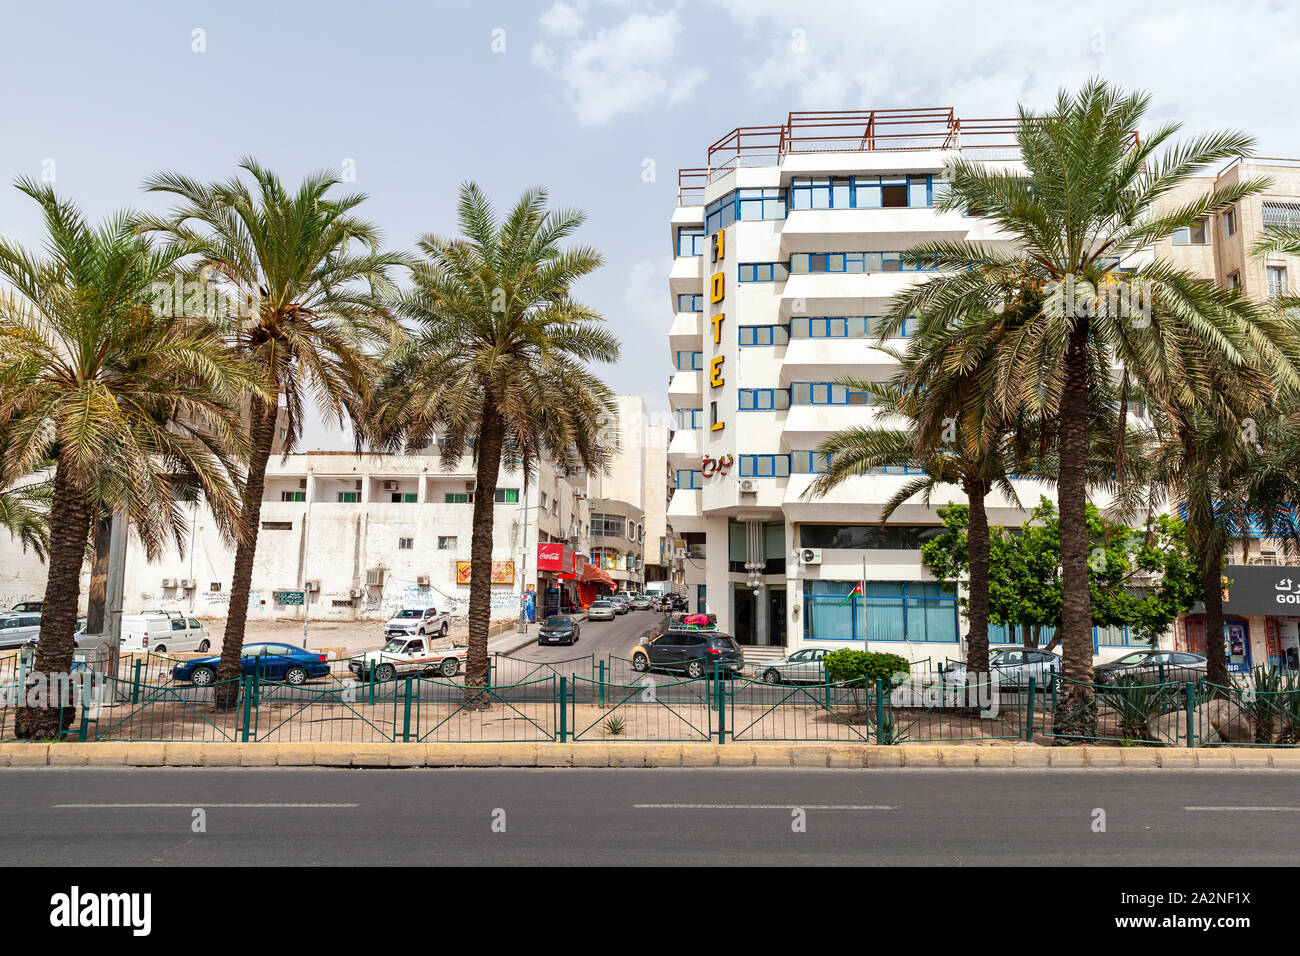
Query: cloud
{"x": 628, "y": 67}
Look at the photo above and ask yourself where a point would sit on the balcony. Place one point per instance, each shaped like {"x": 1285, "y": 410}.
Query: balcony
{"x": 827, "y": 360}
{"x": 841, "y": 293}
{"x": 685, "y": 389}
{"x": 686, "y": 332}
{"x": 686, "y": 276}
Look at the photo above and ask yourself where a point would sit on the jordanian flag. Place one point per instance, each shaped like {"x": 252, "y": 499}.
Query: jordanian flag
{"x": 857, "y": 590}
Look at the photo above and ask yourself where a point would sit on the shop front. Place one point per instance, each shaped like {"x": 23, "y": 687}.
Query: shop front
{"x": 1261, "y": 618}
{"x": 556, "y": 583}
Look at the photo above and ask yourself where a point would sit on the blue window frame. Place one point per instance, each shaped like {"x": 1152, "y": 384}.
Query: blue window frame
{"x": 921, "y": 611}
{"x": 762, "y": 399}
{"x": 690, "y": 361}
{"x": 862, "y": 192}
{"x": 802, "y": 263}
{"x": 809, "y": 462}
{"x": 764, "y": 466}
{"x": 689, "y": 418}
{"x": 690, "y": 480}
{"x": 844, "y": 327}
{"x": 691, "y": 240}
{"x": 763, "y": 335}
{"x": 744, "y": 204}
{"x": 826, "y": 393}
{"x": 690, "y": 303}
{"x": 762, "y": 272}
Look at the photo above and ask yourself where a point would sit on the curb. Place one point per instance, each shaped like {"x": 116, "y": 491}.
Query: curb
{"x": 868, "y": 756}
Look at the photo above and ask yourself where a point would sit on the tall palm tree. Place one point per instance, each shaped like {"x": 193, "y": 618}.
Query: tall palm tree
{"x": 1078, "y": 217}
{"x": 497, "y": 364}
{"x": 25, "y": 509}
{"x": 122, "y": 398}
{"x": 308, "y": 279}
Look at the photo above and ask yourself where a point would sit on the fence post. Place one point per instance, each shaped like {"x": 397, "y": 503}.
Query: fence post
{"x": 880, "y": 711}
{"x": 135, "y": 683}
{"x": 247, "y": 695}
{"x": 602, "y": 683}
{"x": 406, "y": 713}
{"x": 1191, "y": 714}
{"x": 722, "y": 704}
{"x": 1029, "y": 728}
{"x": 564, "y": 710}
{"x": 372, "y": 683}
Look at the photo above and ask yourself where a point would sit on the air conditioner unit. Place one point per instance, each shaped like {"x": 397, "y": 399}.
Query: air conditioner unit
{"x": 748, "y": 486}
{"x": 422, "y": 581}
{"x": 389, "y": 485}
{"x": 811, "y": 556}
{"x": 312, "y": 586}
{"x": 470, "y": 485}
{"x": 356, "y": 593}
{"x": 375, "y": 578}
{"x": 302, "y": 482}
{"x": 358, "y": 488}
{"x": 169, "y": 582}
{"x": 186, "y": 583}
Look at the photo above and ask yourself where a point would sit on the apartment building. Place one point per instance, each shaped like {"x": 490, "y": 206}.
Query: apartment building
{"x": 786, "y": 253}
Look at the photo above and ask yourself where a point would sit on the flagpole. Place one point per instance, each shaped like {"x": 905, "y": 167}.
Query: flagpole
{"x": 864, "y": 604}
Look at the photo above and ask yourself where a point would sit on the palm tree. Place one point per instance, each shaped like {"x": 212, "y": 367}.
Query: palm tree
{"x": 1078, "y": 219}
{"x": 25, "y": 510}
{"x": 497, "y": 364}
{"x": 123, "y": 399}
{"x": 308, "y": 280}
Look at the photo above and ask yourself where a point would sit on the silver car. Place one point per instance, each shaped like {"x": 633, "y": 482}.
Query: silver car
{"x": 640, "y": 603}
{"x": 801, "y": 667}
{"x": 1013, "y": 666}
{"x": 600, "y": 611}
{"x": 18, "y": 629}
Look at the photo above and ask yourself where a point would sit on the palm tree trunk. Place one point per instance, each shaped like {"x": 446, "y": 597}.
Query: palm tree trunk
{"x": 1075, "y": 714}
{"x": 70, "y": 516}
{"x": 1216, "y": 660}
{"x": 977, "y": 549}
{"x": 490, "y": 436}
{"x": 97, "y": 593}
{"x": 262, "y": 434}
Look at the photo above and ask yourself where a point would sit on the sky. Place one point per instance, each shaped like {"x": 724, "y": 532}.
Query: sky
{"x": 599, "y": 101}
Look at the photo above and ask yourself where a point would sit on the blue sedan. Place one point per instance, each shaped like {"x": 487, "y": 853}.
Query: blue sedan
{"x": 276, "y": 662}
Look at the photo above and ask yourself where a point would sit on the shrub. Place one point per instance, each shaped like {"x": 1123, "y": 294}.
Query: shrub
{"x": 851, "y": 666}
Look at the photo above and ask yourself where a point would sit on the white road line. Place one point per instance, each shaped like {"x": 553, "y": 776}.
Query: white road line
{"x": 204, "y": 804}
{"x": 1250, "y": 809}
{"x": 761, "y": 806}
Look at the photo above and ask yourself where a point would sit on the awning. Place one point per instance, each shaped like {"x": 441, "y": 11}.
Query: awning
{"x": 594, "y": 575}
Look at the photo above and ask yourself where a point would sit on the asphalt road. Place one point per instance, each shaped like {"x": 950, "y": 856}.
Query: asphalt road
{"x": 599, "y": 638}
{"x": 83, "y": 817}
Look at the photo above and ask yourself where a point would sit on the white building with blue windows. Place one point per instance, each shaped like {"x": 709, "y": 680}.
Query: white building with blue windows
{"x": 787, "y": 253}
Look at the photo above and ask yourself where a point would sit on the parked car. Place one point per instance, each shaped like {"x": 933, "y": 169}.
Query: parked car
{"x": 558, "y": 629}
{"x": 640, "y": 602}
{"x": 601, "y": 610}
{"x": 1013, "y": 666}
{"x": 18, "y": 629}
{"x": 621, "y": 605}
{"x": 408, "y": 655}
{"x": 801, "y": 667}
{"x": 1153, "y": 666}
{"x": 691, "y": 652}
{"x": 31, "y": 607}
{"x": 417, "y": 622}
{"x": 275, "y": 662}
{"x": 163, "y": 632}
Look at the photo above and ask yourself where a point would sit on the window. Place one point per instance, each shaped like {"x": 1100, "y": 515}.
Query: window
{"x": 405, "y": 544}
{"x": 402, "y": 497}
{"x": 809, "y": 463}
{"x": 1286, "y": 214}
{"x": 690, "y": 303}
{"x": 763, "y": 335}
{"x": 688, "y": 418}
{"x": 866, "y": 537}
{"x": 846, "y": 326}
{"x": 543, "y": 500}
{"x": 690, "y": 361}
{"x": 1229, "y": 221}
{"x": 1234, "y": 280}
{"x": 457, "y": 498}
{"x": 611, "y": 526}
{"x": 1195, "y": 235}
{"x": 764, "y": 466}
{"x": 691, "y": 241}
{"x": 890, "y": 610}
{"x": 1277, "y": 286}
{"x": 826, "y": 393}
{"x": 446, "y": 542}
{"x": 277, "y": 525}
{"x": 763, "y": 272}
{"x": 293, "y": 496}
{"x": 506, "y": 496}
{"x": 349, "y": 497}
{"x": 690, "y": 480}
{"x": 762, "y": 399}
{"x": 862, "y": 192}
{"x": 851, "y": 262}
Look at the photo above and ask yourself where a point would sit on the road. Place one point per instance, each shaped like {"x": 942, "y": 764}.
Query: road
{"x": 598, "y": 638}
{"x": 83, "y": 817}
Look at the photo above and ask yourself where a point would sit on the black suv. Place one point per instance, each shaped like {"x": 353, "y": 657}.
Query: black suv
{"x": 691, "y": 652}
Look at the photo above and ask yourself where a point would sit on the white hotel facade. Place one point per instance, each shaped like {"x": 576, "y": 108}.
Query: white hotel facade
{"x": 786, "y": 251}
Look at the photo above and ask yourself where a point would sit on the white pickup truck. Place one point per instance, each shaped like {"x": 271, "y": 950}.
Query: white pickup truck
{"x": 417, "y": 622}
{"x": 403, "y": 656}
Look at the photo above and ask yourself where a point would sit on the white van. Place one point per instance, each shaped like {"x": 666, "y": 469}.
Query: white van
{"x": 163, "y": 632}
{"x": 18, "y": 630}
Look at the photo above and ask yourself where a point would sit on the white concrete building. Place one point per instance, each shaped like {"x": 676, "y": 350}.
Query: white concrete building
{"x": 786, "y": 253}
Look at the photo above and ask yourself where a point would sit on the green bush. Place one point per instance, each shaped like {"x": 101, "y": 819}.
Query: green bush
{"x": 852, "y": 666}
